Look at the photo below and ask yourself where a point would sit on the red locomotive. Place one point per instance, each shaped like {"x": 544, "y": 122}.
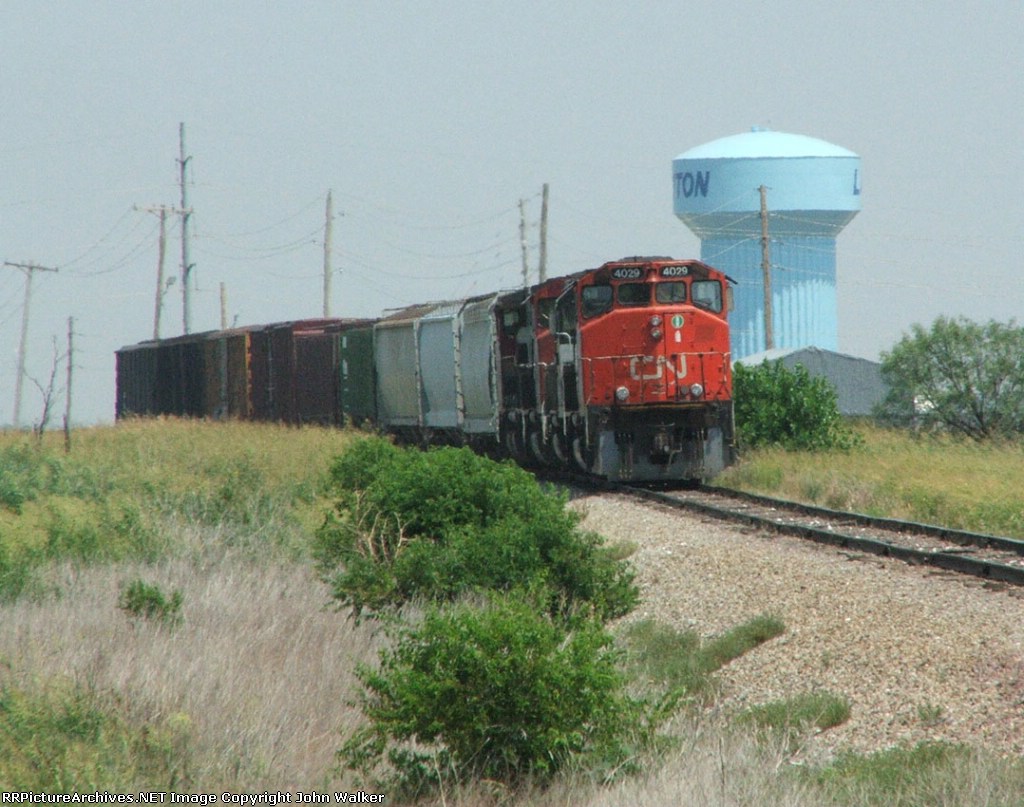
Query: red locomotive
{"x": 621, "y": 371}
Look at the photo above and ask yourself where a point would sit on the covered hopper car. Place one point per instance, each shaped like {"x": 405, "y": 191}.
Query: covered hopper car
{"x": 621, "y": 371}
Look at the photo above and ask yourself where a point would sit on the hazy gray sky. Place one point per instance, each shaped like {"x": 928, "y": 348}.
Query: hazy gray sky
{"x": 430, "y": 120}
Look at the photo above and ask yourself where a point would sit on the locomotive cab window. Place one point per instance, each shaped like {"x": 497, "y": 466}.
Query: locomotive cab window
{"x": 544, "y": 309}
{"x": 510, "y": 320}
{"x": 596, "y": 299}
{"x": 708, "y": 294}
{"x": 564, "y": 317}
{"x": 634, "y": 294}
{"x": 673, "y": 292}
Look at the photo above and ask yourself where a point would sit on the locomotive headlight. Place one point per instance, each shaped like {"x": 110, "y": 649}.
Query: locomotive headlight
{"x": 622, "y": 394}
{"x": 655, "y": 321}
{"x": 655, "y": 333}
{"x": 696, "y": 390}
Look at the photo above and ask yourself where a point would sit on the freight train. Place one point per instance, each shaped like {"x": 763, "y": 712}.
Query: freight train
{"x": 622, "y": 372}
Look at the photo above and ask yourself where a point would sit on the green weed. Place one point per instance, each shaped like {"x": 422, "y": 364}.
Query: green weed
{"x": 820, "y": 710}
{"x": 680, "y": 660}
{"x": 919, "y": 776}
{"x": 141, "y": 600}
{"x": 62, "y": 740}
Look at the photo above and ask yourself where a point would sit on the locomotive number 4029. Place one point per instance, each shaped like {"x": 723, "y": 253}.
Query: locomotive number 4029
{"x": 628, "y": 273}
{"x": 675, "y": 271}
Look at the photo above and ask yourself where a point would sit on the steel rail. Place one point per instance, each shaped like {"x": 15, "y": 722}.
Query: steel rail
{"x": 962, "y": 537}
{"x": 833, "y": 536}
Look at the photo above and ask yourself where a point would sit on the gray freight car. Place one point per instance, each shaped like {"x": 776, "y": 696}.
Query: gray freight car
{"x": 436, "y": 371}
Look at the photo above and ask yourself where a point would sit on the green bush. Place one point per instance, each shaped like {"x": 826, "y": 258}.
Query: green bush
{"x": 233, "y": 491}
{"x": 776, "y": 406}
{"x": 65, "y": 741}
{"x": 28, "y": 472}
{"x": 441, "y": 523}
{"x": 16, "y": 572}
{"x": 22, "y": 475}
{"x": 143, "y": 600}
{"x": 499, "y": 691}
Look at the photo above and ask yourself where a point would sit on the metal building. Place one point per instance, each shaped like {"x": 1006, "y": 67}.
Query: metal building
{"x": 811, "y": 191}
{"x": 858, "y": 382}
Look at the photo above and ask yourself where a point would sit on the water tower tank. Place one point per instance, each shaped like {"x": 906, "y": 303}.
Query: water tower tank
{"x": 812, "y": 191}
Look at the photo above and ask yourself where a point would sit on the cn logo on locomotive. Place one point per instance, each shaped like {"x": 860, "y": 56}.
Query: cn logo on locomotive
{"x": 635, "y": 369}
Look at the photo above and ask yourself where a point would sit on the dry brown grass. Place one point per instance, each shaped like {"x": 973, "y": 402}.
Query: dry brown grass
{"x": 256, "y": 677}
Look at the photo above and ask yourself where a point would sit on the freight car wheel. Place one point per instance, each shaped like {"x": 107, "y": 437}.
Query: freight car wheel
{"x": 540, "y": 450}
{"x": 581, "y": 455}
{"x": 560, "y": 449}
{"x": 515, "y": 443}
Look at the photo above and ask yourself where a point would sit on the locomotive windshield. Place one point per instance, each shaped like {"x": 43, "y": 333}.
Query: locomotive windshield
{"x": 667, "y": 293}
{"x": 596, "y": 299}
{"x": 708, "y": 294}
{"x": 634, "y": 294}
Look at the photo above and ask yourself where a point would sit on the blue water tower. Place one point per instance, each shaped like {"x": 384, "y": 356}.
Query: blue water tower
{"x": 810, "y": 189}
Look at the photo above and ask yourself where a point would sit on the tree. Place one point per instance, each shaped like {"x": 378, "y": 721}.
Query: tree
{"x": 48, "y": 392}
{"x": 960, "y": 376}
{"x": 776, "y": 406}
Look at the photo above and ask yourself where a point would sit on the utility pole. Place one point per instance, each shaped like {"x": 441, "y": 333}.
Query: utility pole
{"x": 29, "y": 269}
{"x": 67, "y": 404}
{"x": 160, "y": 273}
{"x": 162, "y": 211}
{"x": 766, "y": 271}
{"x": 522, "y": 242}
{"x": 223, "y": 306}
{"x": 542, "y": 264}
{"x": 186, "y": 216}
{"x": 328, "y": 238}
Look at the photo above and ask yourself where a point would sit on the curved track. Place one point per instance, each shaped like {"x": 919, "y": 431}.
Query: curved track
{"x": 987, "y": 556}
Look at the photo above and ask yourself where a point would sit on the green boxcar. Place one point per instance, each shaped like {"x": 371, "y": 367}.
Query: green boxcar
{"x": 358, "y": 385}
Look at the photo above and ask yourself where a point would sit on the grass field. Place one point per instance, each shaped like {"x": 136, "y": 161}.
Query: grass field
{"x": 937, "y": 480}
{"x": 249, "y": 687}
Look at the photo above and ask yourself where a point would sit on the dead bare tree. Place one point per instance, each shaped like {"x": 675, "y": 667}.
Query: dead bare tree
{"x": 49, "y": 392}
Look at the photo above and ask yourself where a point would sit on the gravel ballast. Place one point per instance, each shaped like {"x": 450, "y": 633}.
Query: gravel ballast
{"x": 920, "y": 654}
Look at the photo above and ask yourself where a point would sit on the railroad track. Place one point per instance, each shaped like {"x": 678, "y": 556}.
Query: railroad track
{"x": 987, "y": 556}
